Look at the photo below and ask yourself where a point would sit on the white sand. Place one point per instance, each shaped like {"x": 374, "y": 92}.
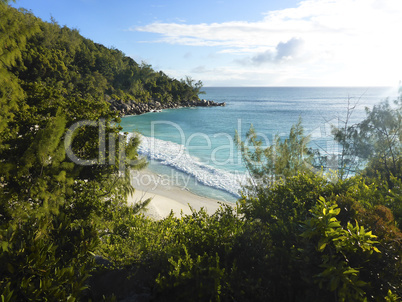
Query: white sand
{"x": 169, "y": 198}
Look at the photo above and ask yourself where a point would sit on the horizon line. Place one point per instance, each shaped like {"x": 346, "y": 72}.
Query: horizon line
{"x": 307, "y": 86}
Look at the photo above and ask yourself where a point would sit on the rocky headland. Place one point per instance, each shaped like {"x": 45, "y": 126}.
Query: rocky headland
{"x": 133, "y": 108}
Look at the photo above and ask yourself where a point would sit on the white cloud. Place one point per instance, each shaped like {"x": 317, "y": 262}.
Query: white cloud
{"x": 350, "y": 34}
{"x": 284, "y": 52}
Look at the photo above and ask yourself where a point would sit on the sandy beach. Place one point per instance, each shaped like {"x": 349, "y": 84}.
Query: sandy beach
{"x": 168, "y": 198}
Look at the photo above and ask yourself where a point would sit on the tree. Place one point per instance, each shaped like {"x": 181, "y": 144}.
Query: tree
{"x": 192, "y": 88}
{"x": 15, "y": 28}
{"x": 283, "y": 159}
{"x": 376, "y": 141}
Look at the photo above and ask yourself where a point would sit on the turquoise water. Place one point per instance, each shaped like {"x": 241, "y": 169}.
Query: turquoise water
{"x": 195, "y": 145}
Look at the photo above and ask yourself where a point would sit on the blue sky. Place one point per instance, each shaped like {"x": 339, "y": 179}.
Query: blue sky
{"x": 246, "y": 43}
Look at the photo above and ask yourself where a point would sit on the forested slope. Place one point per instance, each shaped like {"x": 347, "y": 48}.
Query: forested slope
{"x": 59, "y": 57}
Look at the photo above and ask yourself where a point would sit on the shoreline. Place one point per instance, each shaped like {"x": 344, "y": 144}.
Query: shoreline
{"x": 131, "y": 107}
{"x": 167, "y": 198}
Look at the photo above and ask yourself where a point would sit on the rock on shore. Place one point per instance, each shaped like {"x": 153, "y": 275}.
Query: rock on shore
{"x": 133, "y": 108}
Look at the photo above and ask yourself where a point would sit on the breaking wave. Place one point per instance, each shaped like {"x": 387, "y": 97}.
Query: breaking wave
{"x": 176, "y": 156}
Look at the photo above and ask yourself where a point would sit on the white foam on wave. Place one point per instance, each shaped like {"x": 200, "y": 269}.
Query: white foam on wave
{"x": 176, "y": 156}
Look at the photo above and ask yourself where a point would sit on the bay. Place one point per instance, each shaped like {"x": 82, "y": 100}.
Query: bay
{"x": 193, "y": 148}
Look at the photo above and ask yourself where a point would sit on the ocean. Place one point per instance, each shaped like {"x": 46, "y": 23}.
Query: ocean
{"x": 193, "y": 148}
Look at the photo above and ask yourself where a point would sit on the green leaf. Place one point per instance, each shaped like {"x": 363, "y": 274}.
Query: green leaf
{"x": 351, "y": 271}
{"x": 334, "y": 224}
{"x": 376, "y": 250}
{"x": 321, "y": 246}
{"x": 4, "y": 246}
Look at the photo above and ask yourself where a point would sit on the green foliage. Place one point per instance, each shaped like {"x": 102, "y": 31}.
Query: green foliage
{"x": 185, "y": 257}
{"x": 299, "y": 246}
{"x": 376, "y": 141}
{"x": 60, "y": 56}
{"x": 392, "y": 297}
{"x": 282, "y": 159}
{"x": 15, "y": 28}
{"x": 337, "y": 246}
{"x": 200, "y": 274}
{"x": 34, "y": 264}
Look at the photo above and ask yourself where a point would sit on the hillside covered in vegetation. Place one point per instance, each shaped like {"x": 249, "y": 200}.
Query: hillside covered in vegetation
{"x": 57, "y": 61}
{"x": 67, "y": 233}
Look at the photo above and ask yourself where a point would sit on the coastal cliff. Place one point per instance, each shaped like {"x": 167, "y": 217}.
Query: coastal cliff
{"x": 135, "y": 108}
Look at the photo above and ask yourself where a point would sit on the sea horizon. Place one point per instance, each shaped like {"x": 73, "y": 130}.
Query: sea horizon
{"x": 304, "y": 86}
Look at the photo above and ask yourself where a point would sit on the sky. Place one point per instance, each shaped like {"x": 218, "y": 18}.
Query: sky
{"x": 246, "y": 43}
